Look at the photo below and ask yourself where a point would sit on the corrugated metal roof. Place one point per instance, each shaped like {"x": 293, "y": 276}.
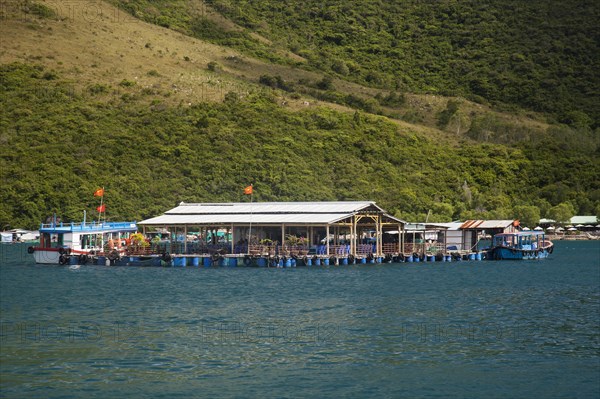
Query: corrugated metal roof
{"x": 271, "y": 207}
{"x": 297, "y": 218}
{"x": 486, "y": 224}
{"x": 447, "y": 226}
{"x": 414, "y": 227}
{"x": 265, "y": 213}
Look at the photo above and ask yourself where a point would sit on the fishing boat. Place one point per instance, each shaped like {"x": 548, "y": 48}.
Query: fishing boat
{"x": 520, "y": 245}
{"x": 81, "y": 242}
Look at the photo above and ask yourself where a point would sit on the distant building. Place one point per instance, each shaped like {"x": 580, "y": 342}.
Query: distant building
{"x": 578, "y": 222}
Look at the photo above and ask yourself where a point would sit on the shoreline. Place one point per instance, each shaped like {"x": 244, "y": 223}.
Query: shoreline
{"x": 573, "y": 237}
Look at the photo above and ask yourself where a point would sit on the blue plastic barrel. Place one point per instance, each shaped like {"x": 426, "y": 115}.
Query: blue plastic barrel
{"x": 431, "y": 258}
{"x": 207, "y": 262}
{"x": 196, "y": 262}
{"x": 261, "y": 262}
{"x": 326, "y": 261}
{"x": 478, "y": 256}
{"x": 344, "y": 261}
{"x": 317, "y": 262}
{"x": 179, "y": 262}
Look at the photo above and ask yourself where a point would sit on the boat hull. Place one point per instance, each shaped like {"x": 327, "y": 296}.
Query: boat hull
{"x": 47, "y": 256}
{"x": 505, "y": 253}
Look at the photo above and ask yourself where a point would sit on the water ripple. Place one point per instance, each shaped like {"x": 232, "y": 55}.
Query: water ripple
{"x": 496, "y": 329}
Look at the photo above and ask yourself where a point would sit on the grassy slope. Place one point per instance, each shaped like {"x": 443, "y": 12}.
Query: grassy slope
{"x": 540, "y": 55}
{"x": 114, "y": 102}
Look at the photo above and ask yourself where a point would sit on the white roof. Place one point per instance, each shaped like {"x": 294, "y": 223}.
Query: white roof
{"x": 262, "y": 213}
{"x": 300, "y": 218}
{"x": 448, "y": 226}
{"x": 269, "y": 207}
{"x": 583, "y": 220}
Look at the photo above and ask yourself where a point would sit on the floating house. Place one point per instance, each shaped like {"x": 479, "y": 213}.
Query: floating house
{"x": 344, "y": 230}
{"x": 468, "y": 236}
{"x": 449, "y": 235}
{"x": 475, "y": 231}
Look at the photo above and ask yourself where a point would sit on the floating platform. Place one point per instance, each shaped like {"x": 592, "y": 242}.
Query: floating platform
{"x": 240, "y": 260}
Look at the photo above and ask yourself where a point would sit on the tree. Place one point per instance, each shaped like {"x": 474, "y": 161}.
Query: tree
{"x": 441, "y": 212}
{"x": 326, "y": 83}
{"x": 562, "y": 212}
{"x": 458, "y": 121}
{"x": 528, "y": 215}
{"x": 446, "y": 115}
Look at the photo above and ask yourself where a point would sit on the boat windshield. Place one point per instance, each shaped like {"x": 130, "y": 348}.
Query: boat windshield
{"x": 519, "y": 240}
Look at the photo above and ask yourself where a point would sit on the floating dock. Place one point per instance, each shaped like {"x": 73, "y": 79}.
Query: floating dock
{"x": 185, "y": 260}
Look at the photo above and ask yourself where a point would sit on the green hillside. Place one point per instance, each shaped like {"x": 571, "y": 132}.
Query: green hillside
{"x": 67, "y": 129}
{"x": 538, "y": 55}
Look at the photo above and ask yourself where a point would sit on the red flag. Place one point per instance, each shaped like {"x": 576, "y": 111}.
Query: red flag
{"x": 99, "y": 192}
{"x": 101, "y": 208}
{"x": 248, "y": 190}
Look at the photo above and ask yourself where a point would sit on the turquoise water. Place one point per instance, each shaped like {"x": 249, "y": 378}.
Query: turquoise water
{"x": 520, "y": 329}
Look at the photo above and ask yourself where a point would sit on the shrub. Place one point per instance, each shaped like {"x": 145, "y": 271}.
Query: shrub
{"x": 127, "y": 83}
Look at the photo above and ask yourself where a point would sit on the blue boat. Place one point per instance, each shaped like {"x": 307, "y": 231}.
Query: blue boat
{"x": 520, "y": 245}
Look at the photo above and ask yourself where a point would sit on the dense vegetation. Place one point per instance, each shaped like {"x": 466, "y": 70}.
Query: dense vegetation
{"x": 58, "y": 145}
{"x": 538, "y": 55}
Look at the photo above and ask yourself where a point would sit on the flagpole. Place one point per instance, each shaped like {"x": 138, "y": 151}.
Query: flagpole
{"x": 100, "y": 211}
{"x": 250, "y": 229}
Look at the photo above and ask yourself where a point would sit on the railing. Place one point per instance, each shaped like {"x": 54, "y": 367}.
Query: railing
{"x": 295, "y": 250}
{"x": 92, "y": 226}
{"x": 390, "y": 248}
{"x": 365, "y": 249}
{"x": 140, "y": 251}
{"x": 272, "y": 250}
{"x": 262, "y": 250}
{"x": 414, "y": 248}
{"x": 435, "y": 248}
{"x": 340, "y": 250}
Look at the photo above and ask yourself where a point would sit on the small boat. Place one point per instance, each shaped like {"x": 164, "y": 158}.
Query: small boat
{"x": 520, "y": 245}
{"x": 79, "y": 243}
{"x": 18, "y": 235}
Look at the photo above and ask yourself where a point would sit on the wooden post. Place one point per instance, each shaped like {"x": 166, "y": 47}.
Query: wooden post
{"x": 399, "y": 239}
{"x": 379, "y": 236}
{"x": 327, "y": 239}
{"x": 354, "y": 236}
{"x": 185, "y": 238}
